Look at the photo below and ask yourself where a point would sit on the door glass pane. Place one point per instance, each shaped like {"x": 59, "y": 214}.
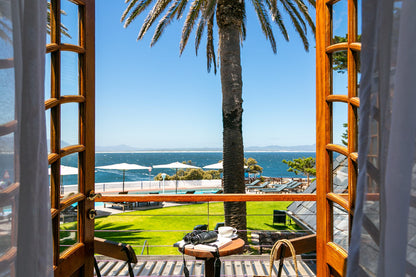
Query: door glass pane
{"x": 339, "y": 173}
{"x": 340, "y": 123}
{"x": 48, "y": 24}
{"x": 7, "y": 158}
{"x": 69, "y": 73}
{"x": 68, "y": 227}
{"x": 7, "y": 100}
{"x": 47, "y": 76}
{"x": 6, "y": 227}
{"x": 359, "y": 18}
{"x": 69, "y": 124}
{"x": 69, "y": 23}
{"x": 340, "y": 226}
{"x": 339, "y": 73}
{"x": 69, "y": 174}
{"x": 340, "y": 19}
{"x": 48, "y": 129}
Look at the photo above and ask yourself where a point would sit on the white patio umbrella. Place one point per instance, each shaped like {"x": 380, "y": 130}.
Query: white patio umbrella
{"x": 124, "y": 167}
{"x": 65, "y": 170}
{"x": 216, "y": 166}
{"x": 176, "y": 166}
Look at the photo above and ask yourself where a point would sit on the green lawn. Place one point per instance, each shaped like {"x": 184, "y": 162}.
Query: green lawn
{"x": 156, "y": 225}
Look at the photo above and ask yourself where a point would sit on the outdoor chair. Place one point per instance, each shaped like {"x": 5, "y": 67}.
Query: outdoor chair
{"x": 122, "y": 205}
{"x": 273, "y": 190}
{"x": 218, "y": 225}
{"x": 279, "y": 216}
{"x": 202, "y": 227}
{"x": 264, "y": 185}
{"x": 268, "y": 239}
{"x": 253, "y": 183}
{"x": 296, "y": 185}
{"x": 116, "y": 250}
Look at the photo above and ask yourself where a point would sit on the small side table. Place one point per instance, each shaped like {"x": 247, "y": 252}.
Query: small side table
{"x": 235, "y": 247}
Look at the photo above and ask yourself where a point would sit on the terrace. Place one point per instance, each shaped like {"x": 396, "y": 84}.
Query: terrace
{"x": 377, "y": 207}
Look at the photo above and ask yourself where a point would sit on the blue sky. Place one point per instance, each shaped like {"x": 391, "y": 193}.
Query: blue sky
{"x": 153, "y": 98}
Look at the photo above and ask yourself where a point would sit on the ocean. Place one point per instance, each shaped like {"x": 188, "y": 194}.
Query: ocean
{"x": 270, "y": 161}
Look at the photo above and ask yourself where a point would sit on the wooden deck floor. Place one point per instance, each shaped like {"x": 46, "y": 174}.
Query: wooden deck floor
{"x": 239, "y": 265}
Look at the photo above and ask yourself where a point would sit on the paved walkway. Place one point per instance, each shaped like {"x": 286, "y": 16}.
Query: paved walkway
{"x": 108, "y": 210}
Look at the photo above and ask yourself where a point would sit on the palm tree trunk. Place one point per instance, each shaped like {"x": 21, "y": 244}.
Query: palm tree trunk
{"x": 229, "y": 22}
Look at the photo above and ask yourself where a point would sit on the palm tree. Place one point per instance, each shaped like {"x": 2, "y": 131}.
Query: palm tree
{"x": 230, "y": 17}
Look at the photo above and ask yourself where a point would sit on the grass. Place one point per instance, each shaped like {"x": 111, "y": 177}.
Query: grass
{"x": 156, "y": 225}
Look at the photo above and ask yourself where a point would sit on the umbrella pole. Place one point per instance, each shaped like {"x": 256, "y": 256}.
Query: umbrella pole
{"x": 176, "y": 174}
{"x": 124, "y": 172}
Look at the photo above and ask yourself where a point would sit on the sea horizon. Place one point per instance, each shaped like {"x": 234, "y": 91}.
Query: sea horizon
{"x": 201, "y": 151}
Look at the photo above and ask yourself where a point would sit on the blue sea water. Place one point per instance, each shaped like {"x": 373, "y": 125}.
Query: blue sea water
{"x": 270, "y": 161}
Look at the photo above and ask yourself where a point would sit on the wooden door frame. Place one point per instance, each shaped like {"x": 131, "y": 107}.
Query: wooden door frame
{"x": 331, "y": 258}
{"x": 77, "y": 260}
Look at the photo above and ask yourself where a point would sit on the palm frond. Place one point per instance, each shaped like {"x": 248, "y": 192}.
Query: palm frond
{"x": 128, "y": 9}
{"x": 158, "y": 8}
{"x": 272, "y": 5}
{"x": 181, "y": 8}
{"x": 199, "y": 32}
{"x": 264, "y": 22}
{"x": 277, "y": 17}
{"x": 165, "y": 21}
{"x": 305, "y": 11}
{"x": 297, "y": 26}
{"x": 296, "y": 12}
{"x": 209, "y": 9}
{"x": 136, "y": 12}
{"x": 210, "y": 45}
{"x": 190, "y": 22}
{"x": 243, "y": 24}
{"x": 243, "y": 31}
{"x": 312, "y": 2}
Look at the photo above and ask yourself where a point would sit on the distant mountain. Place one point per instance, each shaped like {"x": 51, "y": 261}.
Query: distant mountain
{"x": 298, "y": 148}
{"x": 116, "y": 148}
{"x": 127, "y": 148}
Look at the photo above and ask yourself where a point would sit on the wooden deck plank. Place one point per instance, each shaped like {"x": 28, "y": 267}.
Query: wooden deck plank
{"x": 261, "y": 268}
{"x": 125, "y": 270}
{"x": 118, "y": 268}
{"x": 289, "y": 267}
{"x": 306, "y": 271}
{"x": 228, "y": 269}
{"x": 191, "y": 268}
{"x": 107, "y": 268}
{"x": 199, "y": 269}
{"x": 239, "y": 266}
{"x": 170, "y": 267}
{"x": 137, "y": 270}
{"x": 101, "y": 265}
{"x": 148, "y": 268}
{"x": 159, "y": 268}
{"x": 247, "y": 269}
{"x": 178, "y": 268}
